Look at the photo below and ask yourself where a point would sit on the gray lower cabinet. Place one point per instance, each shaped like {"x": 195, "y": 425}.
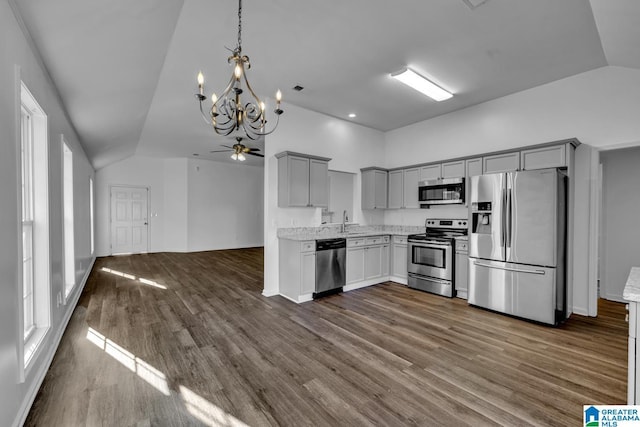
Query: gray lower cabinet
{"x": 367, "y": 259}
{"x": 297, "y": 269}
{"x": 461, "y": 273}
{"x": 303, "y": 181}
{"x": 399, "y": 259}
{"x": 355, "y": 265}
{"x": 374, "y": 188}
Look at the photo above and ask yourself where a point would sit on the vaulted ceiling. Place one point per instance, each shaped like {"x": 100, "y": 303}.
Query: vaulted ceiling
{"x": 126, "y": 70}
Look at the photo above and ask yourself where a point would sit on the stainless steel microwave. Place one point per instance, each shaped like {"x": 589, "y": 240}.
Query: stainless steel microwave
{"x": 441, "y": 191}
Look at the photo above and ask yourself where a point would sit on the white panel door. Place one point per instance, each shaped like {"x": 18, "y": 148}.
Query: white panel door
{"x": 129, "y": 225}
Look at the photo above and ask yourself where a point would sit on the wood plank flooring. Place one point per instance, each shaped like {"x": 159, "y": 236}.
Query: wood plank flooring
{"x": 188, "y": 339}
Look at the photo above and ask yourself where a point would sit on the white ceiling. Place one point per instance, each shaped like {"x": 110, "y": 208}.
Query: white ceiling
{"x": 126, "y": 69}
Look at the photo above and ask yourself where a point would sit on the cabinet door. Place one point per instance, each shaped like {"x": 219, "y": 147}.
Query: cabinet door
{"x": 430, "y": 172}
{"x": 384, "y": 261}
{"x": 355, "y": 265}
{"x": 453, "y": 169}
{"x": 368, "y": 190}
{"x": 380, "y": 183}
{"x": 372, "y": 262}
{"x": 318, "y": 183}
{"x": 297, "y": 181}
{"x": 461, "y": 275}
{"x": 396, "y": 189}
{"x": 399, "y": 262}
{"x": 506, "y": 162}
{"x": 474, "y": 167}
{"x": 410, "y": 187}
{"x": 307, "y": 273}
{"x": 545, "y": 157}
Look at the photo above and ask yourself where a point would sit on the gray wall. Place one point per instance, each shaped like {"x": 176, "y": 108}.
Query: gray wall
{"x": 620, "y": 245}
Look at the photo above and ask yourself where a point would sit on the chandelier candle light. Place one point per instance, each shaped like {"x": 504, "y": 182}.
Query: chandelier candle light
{"x": 229, "y": 112}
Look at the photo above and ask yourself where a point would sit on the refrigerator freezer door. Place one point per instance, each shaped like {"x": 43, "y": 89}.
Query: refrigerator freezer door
{"x": 532, "y": 217}
{"x": 518, "y": 290}
{"x": 487, "y": 236}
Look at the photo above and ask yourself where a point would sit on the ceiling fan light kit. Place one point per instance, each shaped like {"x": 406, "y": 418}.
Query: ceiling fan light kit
{"x": 228, "y": 112}
{"x": 421, "y": 84}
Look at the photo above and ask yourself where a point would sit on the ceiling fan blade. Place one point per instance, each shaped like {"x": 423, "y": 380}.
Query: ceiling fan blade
{"x": 226, "y": 146}
{"x": 254, "y": 149}
{"x": 255, "y": 154}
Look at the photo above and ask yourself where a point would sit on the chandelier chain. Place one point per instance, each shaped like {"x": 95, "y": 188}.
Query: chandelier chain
{"x": 239, "y": 48}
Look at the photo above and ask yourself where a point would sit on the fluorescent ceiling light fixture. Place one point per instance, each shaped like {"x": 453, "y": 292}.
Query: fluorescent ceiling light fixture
{"x": 419, "y": 83}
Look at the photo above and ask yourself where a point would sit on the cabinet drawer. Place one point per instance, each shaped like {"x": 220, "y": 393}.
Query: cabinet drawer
{"x": 376, "y": 240}
{"x": 400, "y": 239}
{"x": 355, "y": 242}
{"x": 308, "y": 246}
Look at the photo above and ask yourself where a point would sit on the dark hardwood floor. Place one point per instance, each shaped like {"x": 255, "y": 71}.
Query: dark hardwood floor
{"x": 188, "y": 339}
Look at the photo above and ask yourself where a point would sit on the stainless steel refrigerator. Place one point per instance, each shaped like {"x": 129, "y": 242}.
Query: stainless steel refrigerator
{"x": 517, "y": 244}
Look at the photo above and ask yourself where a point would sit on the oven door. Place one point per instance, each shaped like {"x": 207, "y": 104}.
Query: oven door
{"x": 430, "y": 259}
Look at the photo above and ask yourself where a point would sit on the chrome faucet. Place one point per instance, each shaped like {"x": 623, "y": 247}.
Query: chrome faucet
{"x": 344, "y": 221}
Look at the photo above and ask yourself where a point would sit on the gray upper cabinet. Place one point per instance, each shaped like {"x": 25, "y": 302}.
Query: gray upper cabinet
{"x": 403, "y": 188}
{"x": 411, "y": 177}
{"x": 545, "y": 157}
{"x": 473, "y": 167}
{"x": 318, "y": 183}
{"x": 455, "y": 169}
{"x": 504, "y": 162}
{"x": 430, "y": 172}
{"x": 374, "y": 188}
{"x": 396, "y": 189}
{"x": 303, "y": 180}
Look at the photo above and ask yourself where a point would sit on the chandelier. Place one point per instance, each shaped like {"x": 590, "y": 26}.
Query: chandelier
{"x": 229, "y": 112}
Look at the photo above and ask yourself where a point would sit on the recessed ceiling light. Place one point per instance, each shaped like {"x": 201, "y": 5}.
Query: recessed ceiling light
{"x": 352, "y": 115}
{"x": 421, "y": 84}
{"x": 196, "y": 154}
{"x": 472, "y": 4}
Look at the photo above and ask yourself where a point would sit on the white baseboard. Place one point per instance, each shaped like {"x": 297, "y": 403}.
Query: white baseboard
{"x": 364, "y": 284}
{"x": 401, "y": 280}
{"x": 30, "y": 396}
{"x": 270, "y": 293}
{"x": 301, "y": 298}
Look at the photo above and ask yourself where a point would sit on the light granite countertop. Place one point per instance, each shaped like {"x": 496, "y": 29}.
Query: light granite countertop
{"x": 353, "y": 231}
{"x": 632, "y": 288}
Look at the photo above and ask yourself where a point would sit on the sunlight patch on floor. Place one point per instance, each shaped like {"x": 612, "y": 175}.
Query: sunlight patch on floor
{"x": 132, "y": 277}
{"x": 148, "y": 373}
{"x": 206, "y": 411}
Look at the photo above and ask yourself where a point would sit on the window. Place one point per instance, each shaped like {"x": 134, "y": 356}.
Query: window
{"x": 91, "y": 217}
{"x": 67, "y": 208}
{"x": 27, "y": 221}
{"x": 34, "y": 192}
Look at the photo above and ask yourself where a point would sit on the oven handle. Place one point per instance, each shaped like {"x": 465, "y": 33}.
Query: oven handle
{"x": 517, "y": 270}
{"x": 430, "y": 245}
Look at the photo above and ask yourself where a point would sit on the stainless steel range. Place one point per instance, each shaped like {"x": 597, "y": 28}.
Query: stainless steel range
{"x": 430, "y": 257}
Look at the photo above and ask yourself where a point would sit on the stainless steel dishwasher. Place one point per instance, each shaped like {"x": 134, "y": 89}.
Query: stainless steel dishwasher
{"x": 331, "y": 258}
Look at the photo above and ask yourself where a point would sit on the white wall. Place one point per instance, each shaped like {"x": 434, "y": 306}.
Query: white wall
{"x": 599, "y": 107}
{"x": 194, "y": 205}
{"x": 15, "y": 50}
{"x": 350, "y": 147}
{"x": 225, "y": 207}
{"x": 621, "y": 210}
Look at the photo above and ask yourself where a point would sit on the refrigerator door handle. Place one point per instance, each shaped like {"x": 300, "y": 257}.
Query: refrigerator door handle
{"x": 509, "y": 217}
{"x": 517, "y": 270}
{"x": 503, "y": 234}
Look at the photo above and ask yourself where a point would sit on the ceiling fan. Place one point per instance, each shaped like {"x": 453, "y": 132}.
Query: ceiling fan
{"x": 239, "y": 150}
